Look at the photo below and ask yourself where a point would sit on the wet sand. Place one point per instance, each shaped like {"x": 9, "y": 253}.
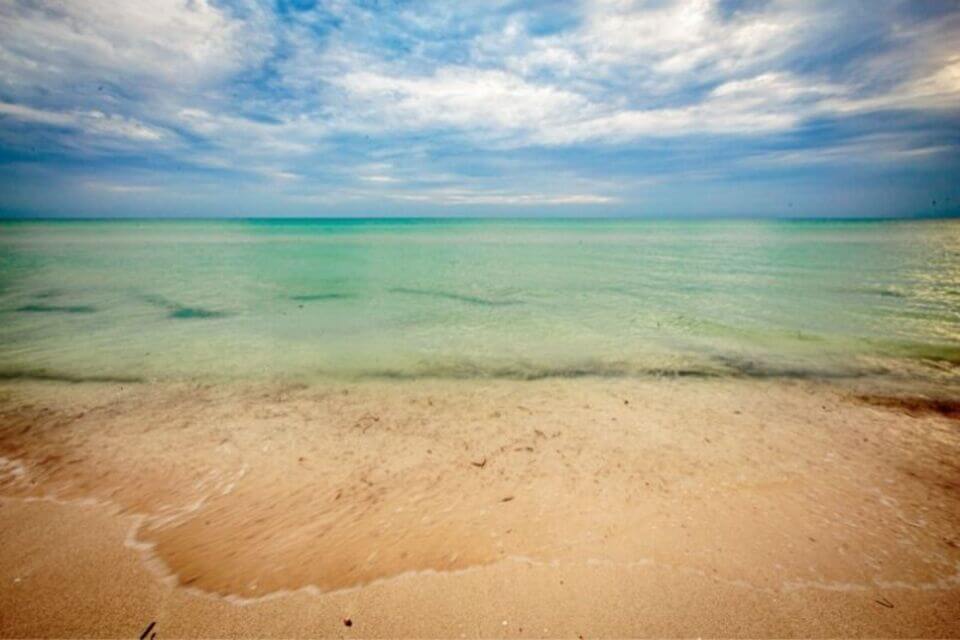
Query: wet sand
{"x": 680, "y": 507}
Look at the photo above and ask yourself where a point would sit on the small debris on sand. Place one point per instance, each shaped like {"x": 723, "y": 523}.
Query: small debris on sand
{"x": 366, "y": 421}
{"x": 479, "y": 465}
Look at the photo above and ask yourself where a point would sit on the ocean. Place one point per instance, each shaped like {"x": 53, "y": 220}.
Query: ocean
{"x": 469, "y": 298}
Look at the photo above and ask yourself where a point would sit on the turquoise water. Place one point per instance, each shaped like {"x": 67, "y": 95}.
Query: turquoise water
{"x": 478, "y": 298}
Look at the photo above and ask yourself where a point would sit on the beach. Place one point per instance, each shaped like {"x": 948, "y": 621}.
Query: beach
{"x": 443, "y": 508}
{"x": 508, "y": 428}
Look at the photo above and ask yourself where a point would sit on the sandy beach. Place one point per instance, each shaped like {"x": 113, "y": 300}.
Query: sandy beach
{"x": 554, "y": 508}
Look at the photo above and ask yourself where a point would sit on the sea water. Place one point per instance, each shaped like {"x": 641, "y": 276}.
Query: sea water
{"x": 470, "y": 298}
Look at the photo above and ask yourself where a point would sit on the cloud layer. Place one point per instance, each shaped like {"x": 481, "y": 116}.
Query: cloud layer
{"x": 611, "y": 107}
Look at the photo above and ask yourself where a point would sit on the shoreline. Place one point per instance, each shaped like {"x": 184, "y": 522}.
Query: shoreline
{"x": 298, "y": 499}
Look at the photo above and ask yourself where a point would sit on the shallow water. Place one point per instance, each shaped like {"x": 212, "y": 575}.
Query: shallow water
{"x": 258, "y": 299}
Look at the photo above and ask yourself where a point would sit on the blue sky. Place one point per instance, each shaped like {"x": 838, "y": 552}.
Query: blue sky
{"x": 606, "y": 108}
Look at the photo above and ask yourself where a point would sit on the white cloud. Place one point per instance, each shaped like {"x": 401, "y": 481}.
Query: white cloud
{"x": 278, "y": 174}
{"x": 629, "y": 71}
{"x": 120, "y": 188}
{"x": 454, "y": 197}
{"x": 121, "y": 71}
{"x": 516, "y": 112}
{"x": 937, "y": 90}
{"x": 677, "y": 37}
{"x": 632, "y": 71}
{"x": 458, "y": 197}
{"x": 172, "y": 42}
{"x": 644, "y": 50}
{"x": 284, "y": 137}
{"x": 871, "y": 149}
{"x": 625, "y": 73}
{"x": 764, "y": 103}
{"x": 91, "y": 122}
{"x": 461, "y": 97}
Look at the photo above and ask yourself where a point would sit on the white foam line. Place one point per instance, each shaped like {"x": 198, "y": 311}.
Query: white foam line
{"x": 947, "y": 583}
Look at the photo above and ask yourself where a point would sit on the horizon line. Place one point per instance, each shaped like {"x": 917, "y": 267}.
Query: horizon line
{"x": 322, "y": 218}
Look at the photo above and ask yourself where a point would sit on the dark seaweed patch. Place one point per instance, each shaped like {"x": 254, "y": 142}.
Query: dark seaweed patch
{"x": 50, "y": 308}
{"x": 455, "y": 296}
{"x": 180, "y": 312}
{"x": 915, "y": 405}
{"x": 54, "y": 376}
{"x": 319, "y": 297}
{"x": 745, "y": 368}
{"x": 186, "y": 313}
{"x": 468, "y": 371}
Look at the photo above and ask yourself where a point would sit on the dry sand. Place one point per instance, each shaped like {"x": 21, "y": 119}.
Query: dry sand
{"x": 524, "y": 509}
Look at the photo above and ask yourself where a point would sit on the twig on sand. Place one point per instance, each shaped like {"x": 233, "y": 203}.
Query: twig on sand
{"x": 883, "y": 602}
{"x": 148, "y": 630}
{"x": 479, "y": 465}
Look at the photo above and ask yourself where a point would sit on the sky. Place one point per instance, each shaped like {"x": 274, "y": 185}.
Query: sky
{"x": 208, "y": 108}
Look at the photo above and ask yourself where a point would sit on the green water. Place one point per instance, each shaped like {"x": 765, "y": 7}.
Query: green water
{"x": 479, "y": 298}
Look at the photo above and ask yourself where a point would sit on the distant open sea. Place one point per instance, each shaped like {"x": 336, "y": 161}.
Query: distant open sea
{"x": 524, "y": 299}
